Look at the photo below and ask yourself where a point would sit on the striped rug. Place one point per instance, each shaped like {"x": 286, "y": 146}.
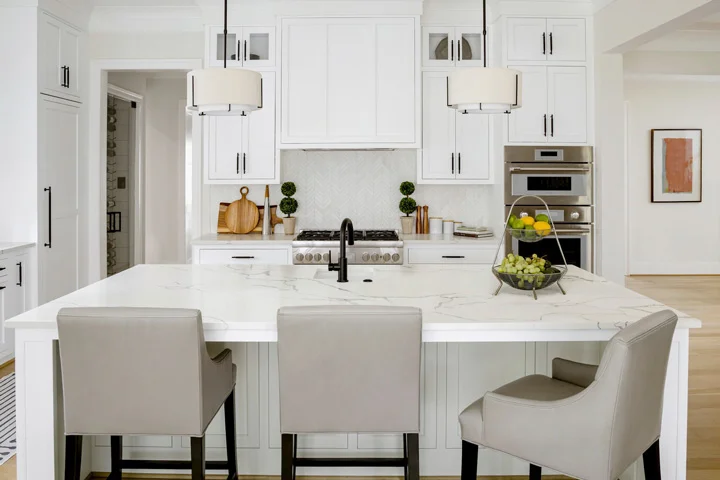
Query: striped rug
{"x": 8, "y": 446}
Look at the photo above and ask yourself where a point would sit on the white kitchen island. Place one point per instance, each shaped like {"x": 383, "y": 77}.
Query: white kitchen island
{"x": 474, "y": 343}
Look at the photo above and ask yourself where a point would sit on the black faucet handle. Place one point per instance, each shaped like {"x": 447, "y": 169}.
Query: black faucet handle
{"x": 332, "y": 267}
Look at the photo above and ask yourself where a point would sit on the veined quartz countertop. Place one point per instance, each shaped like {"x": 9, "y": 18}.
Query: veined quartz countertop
{"x": 215, "y": 239}
{"x": 7, "y": 247}
{"x": 455, "y": 299}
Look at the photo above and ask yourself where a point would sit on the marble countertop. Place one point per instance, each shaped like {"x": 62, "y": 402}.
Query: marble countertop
{"x": 215, "y": 239}
{"x": 441, "y": 239}
{"x": 454, "y": 298}
{"x": 7, "y": 247}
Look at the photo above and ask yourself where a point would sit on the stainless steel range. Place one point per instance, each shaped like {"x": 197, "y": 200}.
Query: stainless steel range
{"x": 372, "y": 247}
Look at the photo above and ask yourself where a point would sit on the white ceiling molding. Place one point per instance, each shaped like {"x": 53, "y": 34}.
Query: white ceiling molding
{"x": 658, "y": 77}
{"x": 600, "y": 4}
{"x": 347, "y": 7}
{"x": 146, "y": 19}
{"x": 555, "y": 8}
{"x": 685, "y": 41}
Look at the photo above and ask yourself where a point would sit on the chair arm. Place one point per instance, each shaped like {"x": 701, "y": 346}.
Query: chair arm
{"x": 220, "y": 357}
{"x": 580, "y": 374}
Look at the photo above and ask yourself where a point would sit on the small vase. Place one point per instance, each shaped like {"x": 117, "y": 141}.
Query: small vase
{"x": 289, "y": 225}
{"x": 407, "y": 224}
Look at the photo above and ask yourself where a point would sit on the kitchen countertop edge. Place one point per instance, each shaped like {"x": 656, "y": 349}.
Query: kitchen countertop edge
{"x": 7, "y": 247}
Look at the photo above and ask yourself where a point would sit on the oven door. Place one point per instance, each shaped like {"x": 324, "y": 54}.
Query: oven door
{"x": 558, "y": 184}
{"x": 576, "y": 242}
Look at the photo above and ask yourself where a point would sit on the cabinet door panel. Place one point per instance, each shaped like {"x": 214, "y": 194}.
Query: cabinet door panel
{"x": 71, "y": 59}
{"x": 529, "y": 123}
{"x": 58, "y": 167}
{"x": 258, "y": 47}
{"x": 305, "y": 73}
{"x": 438, "y": 128}
{"x": 472, "y": 139}
{"x": 260, "y": 151}
{"x": 395, "y": 103}
{"x": 351, "y": 80}
{"x": 224, "y": 147}
{"x": 50, "y": 35}
{"x": 566, "y": 39}
{"x": 469, "y": 46}
{"x": 217, "y": 47}
{"x": 438, "y": 46}
{"x": 525, "y": 39}
{"x": 567, "y": 104}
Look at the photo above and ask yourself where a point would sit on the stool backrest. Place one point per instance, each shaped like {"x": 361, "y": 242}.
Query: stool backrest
{"x": 632, "y": 375}
{"x": 349, "y": 369}
{"x": 131, "y": 370}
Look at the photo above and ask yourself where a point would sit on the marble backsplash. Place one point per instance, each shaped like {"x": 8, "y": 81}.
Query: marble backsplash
{"x": 362, "y": 185}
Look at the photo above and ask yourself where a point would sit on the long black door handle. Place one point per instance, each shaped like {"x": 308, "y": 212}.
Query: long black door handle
{"x": 67, "y": 83}
{"x": 49, "y": 242}
{"x": 452, "y": 163}
{"x": 459, "y": 163}
{"x": 545, "y": 125}
{"x": 552, "y": 125}
{"x": 244, "y": 163}
{"x": 544, "y": 44}
{"x": 237, "y": 164}
{"x": 452, "y": 50}
{"x": 239, "y": 49}
{"x": 459, "y": 57}
{"x": 551, "y": 44}
{"x": 245, "y": 51}
{"x": 64, "y": 76}
{"x": 19, "y": 265}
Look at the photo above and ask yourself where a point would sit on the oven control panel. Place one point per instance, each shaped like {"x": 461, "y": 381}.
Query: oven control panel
{"x": 355, "y": 256}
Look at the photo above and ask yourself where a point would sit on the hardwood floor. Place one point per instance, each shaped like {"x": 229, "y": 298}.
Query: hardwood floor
{"x": 696, "y": 295}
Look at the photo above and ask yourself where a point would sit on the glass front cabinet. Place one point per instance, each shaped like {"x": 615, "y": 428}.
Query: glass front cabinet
{"x": 452, "y": 47}
{"x": 249, "y": 47}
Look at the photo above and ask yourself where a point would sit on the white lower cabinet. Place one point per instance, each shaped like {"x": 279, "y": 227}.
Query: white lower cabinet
{"x": 449, "y": 255}
{"x": 14, "y": 297}
{"x": 248, "y": 256}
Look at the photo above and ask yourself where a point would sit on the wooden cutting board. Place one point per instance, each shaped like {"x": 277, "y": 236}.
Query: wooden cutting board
{"x": 274, "y": 220}
{"x": 242, "y": 215}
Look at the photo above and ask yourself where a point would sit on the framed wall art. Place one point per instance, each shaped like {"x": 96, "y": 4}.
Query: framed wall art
{"x": 676, "y": 165}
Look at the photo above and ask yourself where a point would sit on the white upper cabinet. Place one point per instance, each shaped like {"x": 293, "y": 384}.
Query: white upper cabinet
{"x": 242, "y": 149}
{"x": 59, "y": 58}
{"x": 349, "y": 82}
{"x": 456, "y": 147}
{"x": 545, "y": 39}
{"x": 554, "y": 106}
{"x": 249, "y": 47}
{"x": 452, "y": 46}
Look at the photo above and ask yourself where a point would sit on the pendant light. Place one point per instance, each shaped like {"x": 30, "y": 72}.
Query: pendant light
{"x": 224, "y": 91}
{"x": 484, "y": 89}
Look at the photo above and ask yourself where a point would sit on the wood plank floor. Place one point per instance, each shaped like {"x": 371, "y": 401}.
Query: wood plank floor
{"x": 696, "y": 295}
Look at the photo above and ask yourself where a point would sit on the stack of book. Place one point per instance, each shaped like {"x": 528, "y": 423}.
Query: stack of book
{"x": 473, "y": 232}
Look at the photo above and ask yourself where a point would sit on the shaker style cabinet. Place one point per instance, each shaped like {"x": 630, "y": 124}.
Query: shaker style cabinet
{"x": 59, "y": 59}
{"x": 249, "y": 47}
{"x": 545, "y": 39}
{"x": 242, "y": 149}
{"x": 452, "y": 47}
{"x": 554, "y": 106}
{"x": 349, "y": 82}
{"x": 58, "y": 198}
{"x": 14, "y": 270}
{"x": 456, "y": 146}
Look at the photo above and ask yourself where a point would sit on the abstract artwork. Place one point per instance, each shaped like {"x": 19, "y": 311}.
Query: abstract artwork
{"x": 676, "y": 165}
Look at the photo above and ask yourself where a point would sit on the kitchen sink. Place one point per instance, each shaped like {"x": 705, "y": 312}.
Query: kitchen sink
{"x": 355, "y": 274}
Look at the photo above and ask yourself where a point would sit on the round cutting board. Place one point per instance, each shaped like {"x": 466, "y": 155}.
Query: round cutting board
{"x": 242, "y": 215}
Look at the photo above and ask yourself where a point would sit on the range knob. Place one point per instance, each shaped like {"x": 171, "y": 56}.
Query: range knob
{"x": 375, "y": 257}
{"x": 309, "y": 257}
{"x": 365, "y": 257}
{"x": 395, "y": 257}
{"x": 299, "y": 257}
{"x": 318, "y": 257}
{"x": 575, "y": 216}
{"x": 386, "y": 257}
{"x": 523, "y": 214}
{"x": 326, "y": 257}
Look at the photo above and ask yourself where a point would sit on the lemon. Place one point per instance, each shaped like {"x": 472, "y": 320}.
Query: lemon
{"x": 542, "y": 228}
{"x": 528, "y": 220}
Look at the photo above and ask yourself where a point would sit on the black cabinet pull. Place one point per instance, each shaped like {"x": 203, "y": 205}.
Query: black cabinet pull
{"x": 237, "y": 164}
{"x": 244, "y": 163}
{"x": 2, "y": 288}
{"x": 238, "y": 54}
{"x": 552, "y": 125}
{"x": 2, "y": 268}
{"x": 545, "y": 125}
{"x": 452, "y": 50}
{"x": 459, "y": 163}
{"x": 459, "y": 57}
{"x": 49, "y": 242}
{"x": 452, "y": 163}
{"x": 544, "y": 44}
{"x": 453, "y": 256}
{"x": 551, "y": 44}
{"x": 19, "y": 265}
{"x": 243, "y": 257}
{"x": 245, "y": 51}
{"x": 67, "y": 82}
{"x": 62, "y": 82}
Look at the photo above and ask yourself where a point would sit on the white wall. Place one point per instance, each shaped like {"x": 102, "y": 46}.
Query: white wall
{"x": 164, "y": 163}
{"x": 672, "y": 63}
{"x": 680, "y": 238}
{"x": 363, "y": 186}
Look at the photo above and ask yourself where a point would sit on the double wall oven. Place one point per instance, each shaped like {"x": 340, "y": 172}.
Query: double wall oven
{"x": 563, "y": 177}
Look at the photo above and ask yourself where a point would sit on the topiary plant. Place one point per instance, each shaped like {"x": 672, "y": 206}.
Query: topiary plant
{"x": 407, "y": 204}
{"x": 288, "y": 205}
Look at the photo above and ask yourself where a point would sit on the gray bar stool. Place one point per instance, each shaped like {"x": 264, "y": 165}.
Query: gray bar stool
{"x": 142, "y": 371}
{"x": 589, "y": 422}
{"x": 349, "y": 369}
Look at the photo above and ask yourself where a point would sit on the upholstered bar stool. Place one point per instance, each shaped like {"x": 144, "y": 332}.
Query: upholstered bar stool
{"x": 142, "y": 371}
{"x": 349, "y": 369}
{"x": 589, "y": 422}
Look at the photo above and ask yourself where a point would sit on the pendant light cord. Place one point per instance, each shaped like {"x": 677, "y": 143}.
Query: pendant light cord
{"x": 484, "y": 33}
{"x": 225, "y": 36}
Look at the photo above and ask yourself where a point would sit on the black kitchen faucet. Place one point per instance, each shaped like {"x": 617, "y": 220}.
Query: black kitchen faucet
{"x": 347, "y": 236}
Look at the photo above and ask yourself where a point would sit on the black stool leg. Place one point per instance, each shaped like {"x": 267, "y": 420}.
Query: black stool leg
{"x": 469, "y": 461}
{"x": 535, "y": 472}
{"x": 230, "y": 435}
{"x": 405, "y": 456}
{"x": 197, "y": 455}
{"x": 287, "y": 449}
{"x": 73, "y": 456}
{"x": 413, "y": 461}
{"x": 294, "y": 457}
{"x": 115, "y": 458}
{"x": 651, "y": 461}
